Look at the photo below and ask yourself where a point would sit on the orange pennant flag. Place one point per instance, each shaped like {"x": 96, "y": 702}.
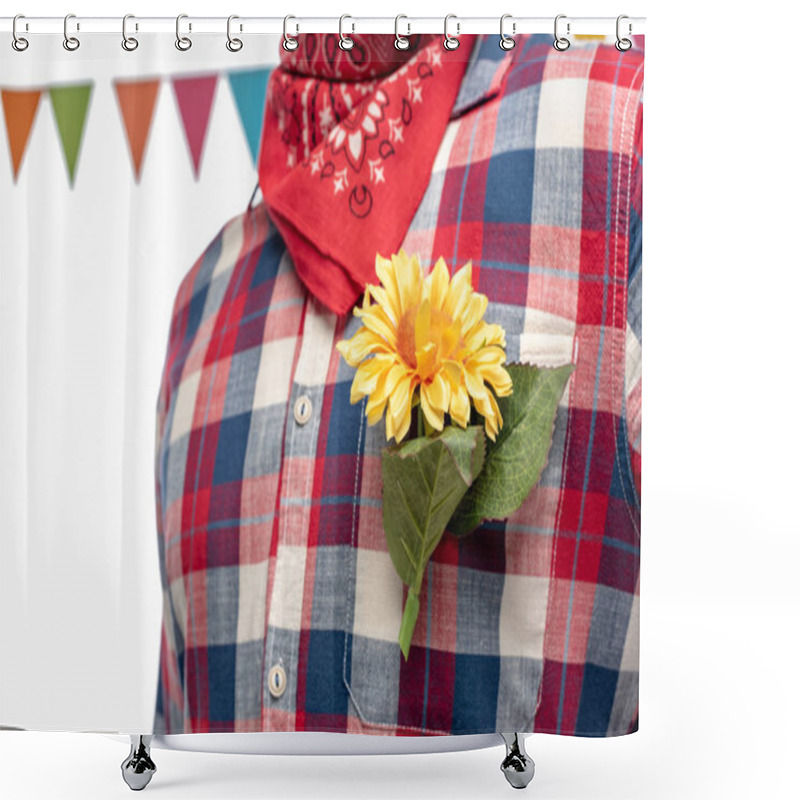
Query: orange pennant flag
{"x": 19, "y": 107}
{"x": 137, "y": 100}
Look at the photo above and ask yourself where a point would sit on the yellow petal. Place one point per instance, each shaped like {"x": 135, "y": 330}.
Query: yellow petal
{"x": 360, "y": 345}
{"x": 459, "y": 406}
{"x": 408, "y": 274}
{"x": 439, "y": 391}
{"x": 475, "y": 309}
{"x": 400, "y": 407}
{"x": 376, "y": 320}
{"x": 402, "y": 429}
{"x": 433, "y": 412}
{"x": 374, "y": 410}
{"x": 460, "y": 290}
{"x": 488, "y": 356}
{"x": 499, "y": 379}
{"x": 487, "y": 407}
{"x": 384, "y": 301}
{"x": 380, "y": 396}
{"x": 422, "y": 325}
{"x": 389, "y": 381}
{"x": 484, "y": 405}
{"x": 368, "y": 374}
{"x": 450, "y": 338}
{"x": 426, "y": 361}
{"x": 439, "y": 281}
{"x": 400, "y": 402}
{"x": 485, "y": 335}
{"x": 452, "y": 371}
{"x": 475, "y": 385}
{"x": 493, "y": 421}
{"x": 435, "y": 399}
{"x": 386, "y": 275}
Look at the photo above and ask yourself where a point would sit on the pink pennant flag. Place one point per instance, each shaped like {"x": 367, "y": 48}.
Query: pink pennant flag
{"x": 195, "y": 96}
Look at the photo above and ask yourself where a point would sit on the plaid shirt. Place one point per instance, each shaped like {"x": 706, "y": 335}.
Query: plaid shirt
{"x": 281, "y": 606}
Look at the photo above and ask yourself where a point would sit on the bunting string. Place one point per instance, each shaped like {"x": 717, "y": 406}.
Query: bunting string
{"x": 136, "y": 102}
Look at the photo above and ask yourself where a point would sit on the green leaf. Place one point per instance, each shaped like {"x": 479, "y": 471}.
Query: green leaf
{"x": 424, "y": 479}
{"x": 514, "y": 462}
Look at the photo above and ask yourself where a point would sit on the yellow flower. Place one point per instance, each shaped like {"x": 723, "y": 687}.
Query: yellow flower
{"x": 426, "y": 332}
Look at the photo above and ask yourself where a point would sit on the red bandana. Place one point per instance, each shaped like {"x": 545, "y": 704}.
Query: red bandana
{"x": 349, "y": 141}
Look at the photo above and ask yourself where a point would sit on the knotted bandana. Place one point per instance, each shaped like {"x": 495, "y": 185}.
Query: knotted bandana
{"x": 350, "y": 137}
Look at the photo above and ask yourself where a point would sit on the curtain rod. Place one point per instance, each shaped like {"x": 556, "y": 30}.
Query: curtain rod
{"x": 275, "y": 25}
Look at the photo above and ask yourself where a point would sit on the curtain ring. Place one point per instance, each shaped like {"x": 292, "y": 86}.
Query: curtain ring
{"x": 19, "y": 43}
{"x": 451, "y": 42}
{"x": 289, "y": 42}
{"x": 400, "y": 42}
{"x": 129, "y": 43}
{"x": 507, "y": 42}
{"x": 623, "y": 44}
{"x": 233, "y": 44}
{"x": 70, "y": 42}
{"x": 182, "y": 42}
{"x": 560, "y": 43}
{"x": 345, "y": 42}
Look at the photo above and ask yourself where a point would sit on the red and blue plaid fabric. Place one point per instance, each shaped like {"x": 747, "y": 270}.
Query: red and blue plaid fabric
{"x": 271, "y": 547}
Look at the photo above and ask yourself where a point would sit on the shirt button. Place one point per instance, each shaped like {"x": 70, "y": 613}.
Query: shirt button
{"x": 302, "y": 409}
{"x": 277, "y": 681}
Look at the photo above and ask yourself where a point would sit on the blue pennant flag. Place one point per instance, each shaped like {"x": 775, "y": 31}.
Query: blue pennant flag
{"x": 249, "y": 89}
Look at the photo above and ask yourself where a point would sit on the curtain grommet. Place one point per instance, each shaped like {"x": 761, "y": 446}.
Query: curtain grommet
{"x": 71, "y": 43}
{"x": 290, "y": 44}
{"x": 129, "y": 43}
{"x": 183, "y": 43}
{"x": 451, "y": 42}
{"x": 507, "y": 41}
{"x": 345, "y": 42}
{"x": 561, "y": 43}
{"x": 401, "y": 42}
{"x": 19, "y": 43}
{"x": 233, "y": 44}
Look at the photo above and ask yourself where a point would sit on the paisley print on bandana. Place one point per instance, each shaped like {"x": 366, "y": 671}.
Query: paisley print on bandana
{"x": 348, "y": 149}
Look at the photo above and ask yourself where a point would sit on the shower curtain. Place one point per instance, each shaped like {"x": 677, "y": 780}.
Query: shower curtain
{"x": 321, "y": 386}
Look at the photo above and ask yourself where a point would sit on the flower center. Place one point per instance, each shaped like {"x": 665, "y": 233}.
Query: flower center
{"x": 425, "y": 337}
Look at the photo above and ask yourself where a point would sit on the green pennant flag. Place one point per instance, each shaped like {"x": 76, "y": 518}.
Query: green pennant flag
{"x": 70, "y": 104}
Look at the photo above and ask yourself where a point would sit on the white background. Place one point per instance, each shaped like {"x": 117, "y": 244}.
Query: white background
{"x": 89, "y": 275}
{"x": 720, "y": 600}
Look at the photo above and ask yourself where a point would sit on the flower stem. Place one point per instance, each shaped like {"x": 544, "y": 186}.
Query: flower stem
{"x": 410, "y": 613}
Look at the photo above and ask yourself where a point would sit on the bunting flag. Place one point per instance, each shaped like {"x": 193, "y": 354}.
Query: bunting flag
{"x": 195, "y": 96}
{"x": 70, "y": 104}
{"x": 19, "y": 108}
{"x": 249, "y": 88}
{"x": 137, "y": 100}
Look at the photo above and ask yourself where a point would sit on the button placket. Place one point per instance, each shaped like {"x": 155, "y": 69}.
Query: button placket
{"x": 306, "y": 387}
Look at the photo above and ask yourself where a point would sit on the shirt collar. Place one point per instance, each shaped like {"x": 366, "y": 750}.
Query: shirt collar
{"x": 485, "y": 74}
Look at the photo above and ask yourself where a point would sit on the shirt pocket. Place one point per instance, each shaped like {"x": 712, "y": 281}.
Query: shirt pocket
{"x": 475, "y": 660}
{"x": 471, "y": 668}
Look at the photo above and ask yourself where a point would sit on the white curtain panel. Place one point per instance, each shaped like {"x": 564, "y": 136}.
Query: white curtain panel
{"x": 88, "y": 274}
